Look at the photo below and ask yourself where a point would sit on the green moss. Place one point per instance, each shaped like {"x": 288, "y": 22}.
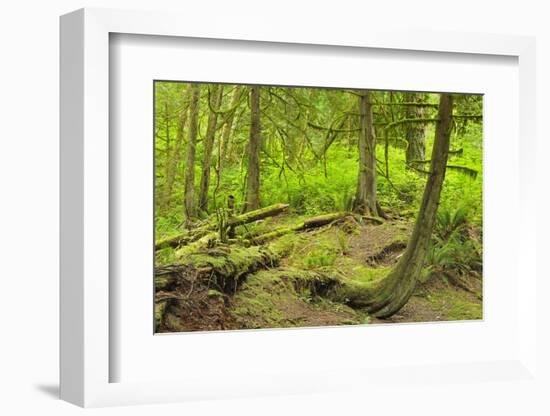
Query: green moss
{"x": 256, "y": 305}
{"x": 464, "y": 310}
{"x": 287, "y": 244}
{"x": 165, "y": 256}
{"x": 454, "y": 304}
{"x": 203, "y": 260}
{"x": 160, "y": 307}
{"x": 288, "y": 298}
{"x": 321, "y": 257}
{"x": 367, "y": 275}
{"x": 313, "y": 253}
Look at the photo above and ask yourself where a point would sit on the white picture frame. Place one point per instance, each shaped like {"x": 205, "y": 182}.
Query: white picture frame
{"x": 85, "y": 266}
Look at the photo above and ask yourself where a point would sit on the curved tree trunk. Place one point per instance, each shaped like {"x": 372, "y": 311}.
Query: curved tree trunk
{"x": 217, "y": 92}
{"x": 253, "y": 175}
{"x": 398, "y": 286}
{"x": 416, "y": 132}
{"x": 189, "y": 196}
{"x": 365, "y": 198}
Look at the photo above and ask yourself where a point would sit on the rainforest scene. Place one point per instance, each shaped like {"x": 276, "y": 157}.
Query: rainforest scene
{"x": 280, "y": 207}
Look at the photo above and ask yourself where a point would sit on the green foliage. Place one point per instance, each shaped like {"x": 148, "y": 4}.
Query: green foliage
{"x": 308, "y": 159}
{"x": 342, "y": 243}
{"x": 452, "y": 250}
{"x": 321, "y": 257}
{"x": 311, "y": 168}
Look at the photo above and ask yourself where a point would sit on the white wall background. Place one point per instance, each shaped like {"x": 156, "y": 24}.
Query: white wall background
{"x": 29, "y": 188}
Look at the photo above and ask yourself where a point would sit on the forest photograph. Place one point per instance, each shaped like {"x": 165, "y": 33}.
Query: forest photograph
{"x": 290, "y": 207}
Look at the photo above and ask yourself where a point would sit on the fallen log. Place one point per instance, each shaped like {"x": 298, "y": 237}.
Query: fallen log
{"x": 183, "y": 288}
{"x": 181, "y": 239}
{"x": 188, "y": 237}
{"x": 221, "y": 267}
{"x": 256, "y": 215}
{"x": 205, "y": 242}
{"x": 313, "y": 222}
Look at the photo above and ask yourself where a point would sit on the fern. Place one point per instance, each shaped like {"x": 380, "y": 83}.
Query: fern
{"x": 451, "y": 251}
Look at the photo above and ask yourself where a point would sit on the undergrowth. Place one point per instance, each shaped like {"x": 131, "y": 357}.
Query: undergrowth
{"x": 318, "y": 187}
{"x": 455, "y": 249}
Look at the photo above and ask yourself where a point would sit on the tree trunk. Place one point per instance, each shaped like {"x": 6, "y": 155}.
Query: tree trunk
{"x": 174, "y": 159}
{"x": 228, "y": 127}
{"x": 253, "y": 176}
{"x": 168, "y": 141}
{"x": 416, "y": 132}
{"x": 216, "y": 92}
{"x": 396, "y": 289}
{"x": 189, "y": 192}
{"x": 365, "y": 198}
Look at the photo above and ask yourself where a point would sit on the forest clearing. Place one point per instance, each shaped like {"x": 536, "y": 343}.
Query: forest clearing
{"x": 281, "y": 207}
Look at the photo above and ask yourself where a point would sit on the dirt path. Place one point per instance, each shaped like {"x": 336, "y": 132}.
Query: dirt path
{"x": 345, "y": 250}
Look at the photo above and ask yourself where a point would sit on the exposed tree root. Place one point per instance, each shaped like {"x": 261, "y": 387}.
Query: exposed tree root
{"x": 382, "y": 255}
{"x": 186, "y": 287}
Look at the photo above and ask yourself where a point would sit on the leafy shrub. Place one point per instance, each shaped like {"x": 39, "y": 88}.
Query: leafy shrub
{"x": 452, "y": 251}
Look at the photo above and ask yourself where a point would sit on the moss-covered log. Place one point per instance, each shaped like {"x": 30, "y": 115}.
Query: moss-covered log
{"x": 221, "y": 267}
{"x": 211, "y": 239}
{"x": 183, "y": 291}
{"x": 207, "y": 241}
{"x": 310, "y": 223}
{"x": 186, "y": 286}
{"x": 258, "y": 214}
{"x": 188, "y": 237}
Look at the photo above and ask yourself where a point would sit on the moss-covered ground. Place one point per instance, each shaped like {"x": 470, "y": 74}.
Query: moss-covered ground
{"x": 323, "y": 268}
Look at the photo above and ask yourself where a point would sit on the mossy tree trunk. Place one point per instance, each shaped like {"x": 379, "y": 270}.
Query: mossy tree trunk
{"x": 228, "y": 126}
{"x": 253, "y": 174}
{"x": 416, "y": 132}
{"x": 189, "y": 191}
{"x": 216, "y": 93}
{"x": 365, "y": 198}
{"x": 175, "y": 156}
{"x": 396, "y": 289}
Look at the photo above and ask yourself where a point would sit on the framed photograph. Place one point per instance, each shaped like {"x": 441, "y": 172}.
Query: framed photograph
{"x": 277, "y": 212}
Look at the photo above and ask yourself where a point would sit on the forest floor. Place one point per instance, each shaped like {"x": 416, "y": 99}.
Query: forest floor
{"x": 269, "y": 298}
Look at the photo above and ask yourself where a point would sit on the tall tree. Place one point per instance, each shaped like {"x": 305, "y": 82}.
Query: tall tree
{"x": 365, "y": 198}
{"x": 174, "y": 157}
{"x": 253, "y": 173}
{"x": 416, "y": 132}
{"x": 189, "y": 184}
{"x": 228, "y": 126}
{"x": 396, "y": 289}
{"x": 216, "y": 92}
